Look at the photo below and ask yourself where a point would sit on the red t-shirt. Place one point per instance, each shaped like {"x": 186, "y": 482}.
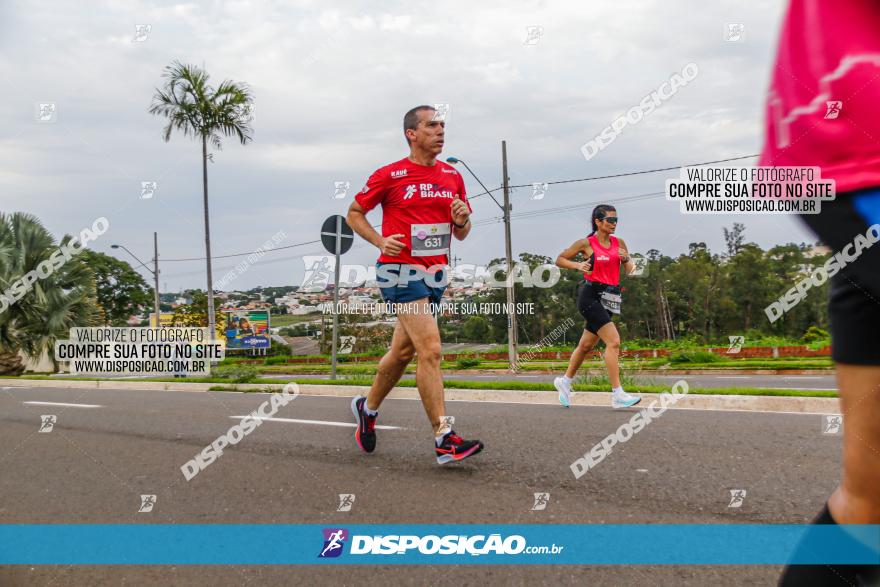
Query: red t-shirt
{"x": 416, "y": 202}
{"x": 606, "y": 264}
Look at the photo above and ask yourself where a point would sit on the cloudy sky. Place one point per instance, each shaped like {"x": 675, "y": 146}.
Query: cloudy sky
{"x": 331, "y": 82}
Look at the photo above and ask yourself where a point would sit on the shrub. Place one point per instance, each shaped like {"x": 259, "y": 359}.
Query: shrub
{"x": 236, "y": 373}
{"x": 279, "y": 360}
{"x": 466, "y": 363}
{"x": 694, "y": 357}
{"x": 815, "y": 334}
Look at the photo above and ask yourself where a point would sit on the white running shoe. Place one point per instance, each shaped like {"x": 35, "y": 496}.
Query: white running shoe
{"x": 564, "y": 390}
{"x": 623, "y": 400}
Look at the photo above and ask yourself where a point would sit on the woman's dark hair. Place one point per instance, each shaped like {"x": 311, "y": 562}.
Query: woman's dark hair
{"x": 599, "y": 213}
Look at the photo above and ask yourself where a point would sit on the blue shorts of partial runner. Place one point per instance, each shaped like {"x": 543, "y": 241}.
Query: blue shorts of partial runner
{"x": 413, "y": 289}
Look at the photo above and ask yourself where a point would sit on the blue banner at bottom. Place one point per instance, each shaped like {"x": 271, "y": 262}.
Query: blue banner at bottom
{"x": 498, "y": 544}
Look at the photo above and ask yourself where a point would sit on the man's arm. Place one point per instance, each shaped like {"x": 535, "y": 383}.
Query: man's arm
{"x": 357, "y": 220}
{"x": 461, "y": 222}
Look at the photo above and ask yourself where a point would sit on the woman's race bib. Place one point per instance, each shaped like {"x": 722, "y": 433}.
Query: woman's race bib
{"x": 430, "y": 240}
{"x": 611, "y": 301}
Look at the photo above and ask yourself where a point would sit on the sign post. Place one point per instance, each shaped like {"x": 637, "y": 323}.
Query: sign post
{"x": 337, "y": 237}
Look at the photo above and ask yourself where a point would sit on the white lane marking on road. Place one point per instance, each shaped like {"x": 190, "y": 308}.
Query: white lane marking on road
{"x": 320, "y": 422}
{"x": 734, "y": 377}
{"x": 63, "y": 404}
{"x": 641, "y": 470}
{"x": 801, "y": 377}
{"x": 799, "y": 388}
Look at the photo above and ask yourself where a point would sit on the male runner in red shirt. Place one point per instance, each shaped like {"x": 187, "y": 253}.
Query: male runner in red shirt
{"x": 423, "y": 205}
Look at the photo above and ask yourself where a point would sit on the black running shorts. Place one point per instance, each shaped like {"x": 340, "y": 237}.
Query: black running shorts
{"x": 854, "y": 304}
{"x": 591, "y": 308}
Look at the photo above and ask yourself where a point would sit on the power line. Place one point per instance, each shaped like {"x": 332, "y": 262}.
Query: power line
{"x": 487, "y": 192}
{"x": 563, "y": 209}
{"x": 626, "y": 174}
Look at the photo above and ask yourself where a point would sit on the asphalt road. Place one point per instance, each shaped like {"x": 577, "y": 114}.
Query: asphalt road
{"x": 798, "y": 382}
{"x": 97, "y": 461}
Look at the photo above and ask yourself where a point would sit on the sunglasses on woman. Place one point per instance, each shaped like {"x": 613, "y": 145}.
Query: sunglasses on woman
{"x": 611, "y": 219}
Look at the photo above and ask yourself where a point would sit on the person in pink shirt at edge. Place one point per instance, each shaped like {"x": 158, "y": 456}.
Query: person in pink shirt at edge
{"x": 423, "y": 205}
{"x": 823, "y": 109}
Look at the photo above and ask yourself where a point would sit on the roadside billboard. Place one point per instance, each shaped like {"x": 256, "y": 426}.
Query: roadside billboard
{"x": 247, "y": 329}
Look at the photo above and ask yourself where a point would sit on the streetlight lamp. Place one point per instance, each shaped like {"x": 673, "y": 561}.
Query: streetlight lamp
{"x": 154, "y": 271}
{"x": 511, "y": 298}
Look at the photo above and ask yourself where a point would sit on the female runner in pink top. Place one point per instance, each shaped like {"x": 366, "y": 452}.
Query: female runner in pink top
{"x": 598, "y": 298}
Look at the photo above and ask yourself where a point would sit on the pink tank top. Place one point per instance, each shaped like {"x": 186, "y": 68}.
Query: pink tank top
{"x": 606, "y": 265}
{"x": 824, "y": 92}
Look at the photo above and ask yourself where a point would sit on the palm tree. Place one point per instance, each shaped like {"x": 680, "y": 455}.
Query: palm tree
{"x": 52, "y": 306}
{"x": 205, "y": 113}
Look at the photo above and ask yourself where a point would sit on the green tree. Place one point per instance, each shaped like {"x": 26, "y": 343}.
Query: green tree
{"x": 475, "y": 329}
{"x": 54, "y": 304}
{"x": 206, "y": 113}
{"x": 122, "y": 292}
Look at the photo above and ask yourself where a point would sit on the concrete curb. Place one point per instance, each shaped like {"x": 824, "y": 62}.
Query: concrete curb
{"x": 651, "y": 373}
{"x": 748, "y": 403}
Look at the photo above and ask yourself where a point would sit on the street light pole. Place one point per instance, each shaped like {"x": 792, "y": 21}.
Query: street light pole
{"x": 511, "y": 298}
{"x": 508, "y": 249}
{"x": 154, "y": 271}
{"x": 156, "y": 279}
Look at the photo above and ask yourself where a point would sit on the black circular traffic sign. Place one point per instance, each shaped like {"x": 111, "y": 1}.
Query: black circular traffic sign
{"x": 329, "y": 234}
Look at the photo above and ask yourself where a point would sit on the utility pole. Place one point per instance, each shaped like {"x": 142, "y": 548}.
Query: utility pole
{"x": 156, "y": 279}
{"x": 511, "y": 298}
{"x": 338, "y": 252}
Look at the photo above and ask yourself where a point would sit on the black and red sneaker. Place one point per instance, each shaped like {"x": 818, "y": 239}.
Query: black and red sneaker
{"x": 365, "y": 435}
{"x": 456, "y": 448}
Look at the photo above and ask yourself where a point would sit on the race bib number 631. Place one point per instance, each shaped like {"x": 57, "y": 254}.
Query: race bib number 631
{"x": 429, "y": 240}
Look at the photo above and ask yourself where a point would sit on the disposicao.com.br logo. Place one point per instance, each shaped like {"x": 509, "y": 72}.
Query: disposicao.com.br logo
{"x": 431, "y": 544}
